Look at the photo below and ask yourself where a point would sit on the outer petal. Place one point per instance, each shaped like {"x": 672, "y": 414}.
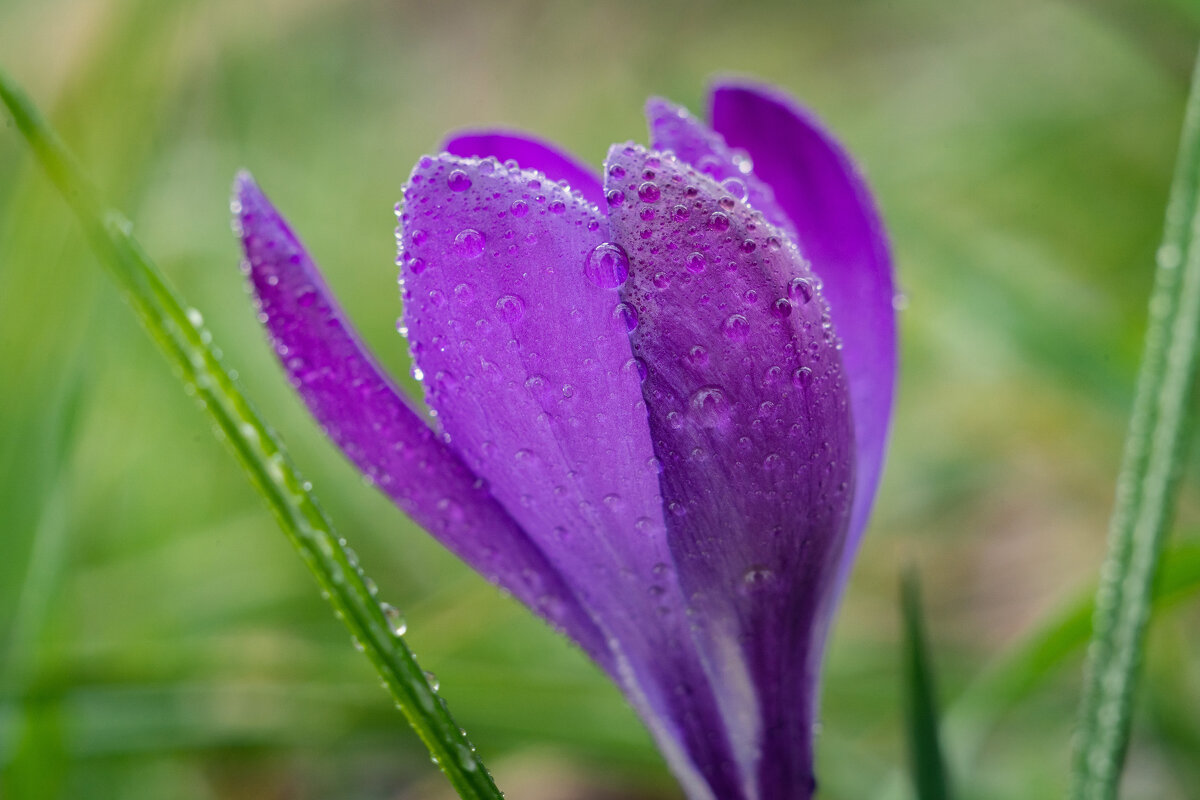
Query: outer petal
{"x": 840, "y": 230}
{"x": 750, "y": 417}
{"x": 530, "y": 153}
{"x": 514, "y": 316}
{"x": 368, "y": 417}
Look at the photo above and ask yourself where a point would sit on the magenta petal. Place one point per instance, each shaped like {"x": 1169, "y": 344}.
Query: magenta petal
{"x": 841, "y": 232}
{"x": 514, "y": 316}
{"x": 362, "y": 410}
{"x": 750, "y": 416}
{"x": 530, "y": 153}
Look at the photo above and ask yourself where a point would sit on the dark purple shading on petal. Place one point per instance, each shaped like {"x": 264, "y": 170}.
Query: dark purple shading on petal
{"x": 511, "y": 302}
{"x": 841, "y": 232}
{"x": 750, "y": 416}
{"x": 530, "y": 153}
{"x": 368, "y": 417}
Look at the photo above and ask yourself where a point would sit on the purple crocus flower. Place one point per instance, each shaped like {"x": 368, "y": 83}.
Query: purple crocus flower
{"x": 660, "y": 402}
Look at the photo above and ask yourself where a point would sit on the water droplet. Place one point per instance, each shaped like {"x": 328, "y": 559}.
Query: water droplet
{"x": 607, "y": 265}
{"x": 417, "y": 265}
{"x": 395, "y": 619}
{"x": 802, "y": 377}
{"x": 469, "y": 243}
{"x": 648, "y": 192}
{"x": 615, "y": 197}
{"x": 749, "y": 246}
{"x": 772, "y": 462}
{"x": 710, "y": 407}
{"x": 419, "y": 237}
{"x": 617, "y": 171}
{"x": 519, "y": 208}
{"x": 781, "y": 307}
{"x": 736, "y": 327}
{"x": 626, "y": 315}
{"x": 800, "y": 289}
{"x": 735, "y": 187}
{"x": 458, "y": 181}
{"x": 464, "y": 294}
{"x": 695, "y": 262}
{"x": 647, "y": 214}
{"x": 679, "y": 213}
{"x": 757, "y": 577}
{"x": 511, "y": 307}
{"x": 698, "y": 355}
{"x": 718, "y": 221}
{"x": 636, "y": 366}
{"x": 556, "y": 207}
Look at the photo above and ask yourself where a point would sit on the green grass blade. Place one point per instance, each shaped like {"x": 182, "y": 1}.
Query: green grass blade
{"x": 929, "y": 774}
{"x": 179, "y": 331}
{"x": 1148, "y": 482}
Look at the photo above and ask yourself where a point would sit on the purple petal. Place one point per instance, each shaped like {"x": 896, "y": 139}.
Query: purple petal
{"x": 750, "y": 416}
{"x": 529, "y": 153}
{"x": 840, "y": 230}
{"x": 363, "y": 411}
{"x": 514, "y": 316}
{"x": 673, "y": 128}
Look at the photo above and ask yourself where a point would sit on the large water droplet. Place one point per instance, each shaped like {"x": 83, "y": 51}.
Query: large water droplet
{"x": 607, "y": 265}
{"x": 511, "y": 307}
{"x": 458, "y": 181}
{"x": 800, "y": 289}
{"x": 519, "y": 208}
{"x": 695, "y": 262}
{"x": 469, "y": 243}
{"x": 735, "y": 187}
{"x": 710, "y": 407}
{"x": 718, "y": 221}
{"x": 648, "y": 192}
{"x": 736, "y": 327}
{"x": 626, "y": 316}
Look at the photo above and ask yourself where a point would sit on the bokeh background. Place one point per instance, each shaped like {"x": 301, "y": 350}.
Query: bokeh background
{"x": 158, "y": 636}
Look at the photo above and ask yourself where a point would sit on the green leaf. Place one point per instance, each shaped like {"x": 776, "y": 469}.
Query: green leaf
{"x": 180, "y": 333}
{"x": 1148, "y": 482}
{"x": 925, "y": 749}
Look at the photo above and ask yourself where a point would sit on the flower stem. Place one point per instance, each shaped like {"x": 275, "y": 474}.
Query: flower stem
{"x": 1148, "y": 481}
{"x": 180, "y": 333}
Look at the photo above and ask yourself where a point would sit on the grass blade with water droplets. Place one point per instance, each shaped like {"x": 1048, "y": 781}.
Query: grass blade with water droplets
{"x": 179, "y": 332}
{"x": 1148, "y": 482}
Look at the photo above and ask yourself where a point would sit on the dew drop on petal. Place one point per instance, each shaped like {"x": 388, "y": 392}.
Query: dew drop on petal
{"x": 511, "y": 307}
{"x": 735, "y": 187}
{"x": 800, "y": 289}
{"x": 649, "y": 192}
{"x": 469, "y": 243}
{"x": 695, "y": 262}
{"x": 736, "y": 327}
{"x": 458, "y": 181}
{"x": 626, "y": 315}
{"x": 519, "y": 208}
{"x": 710, "y": 407}
{"x": 607, "y": 265}
{"x": 718, "y": 221}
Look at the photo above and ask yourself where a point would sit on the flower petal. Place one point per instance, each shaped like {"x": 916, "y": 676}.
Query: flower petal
{"x": 816, "y": 182}
{"x": 673, "y": 128}
{"x": 530, "y": 153}
{"x": 750, "y": 416}
{"x": 368, "y": 417}
{"x": 514, "y": 316}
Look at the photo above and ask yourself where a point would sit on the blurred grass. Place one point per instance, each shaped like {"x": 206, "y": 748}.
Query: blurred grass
{"x": 1021, "y": 151}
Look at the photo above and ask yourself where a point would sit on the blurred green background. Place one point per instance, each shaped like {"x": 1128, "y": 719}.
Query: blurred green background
{"x": 158, "y": 636}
